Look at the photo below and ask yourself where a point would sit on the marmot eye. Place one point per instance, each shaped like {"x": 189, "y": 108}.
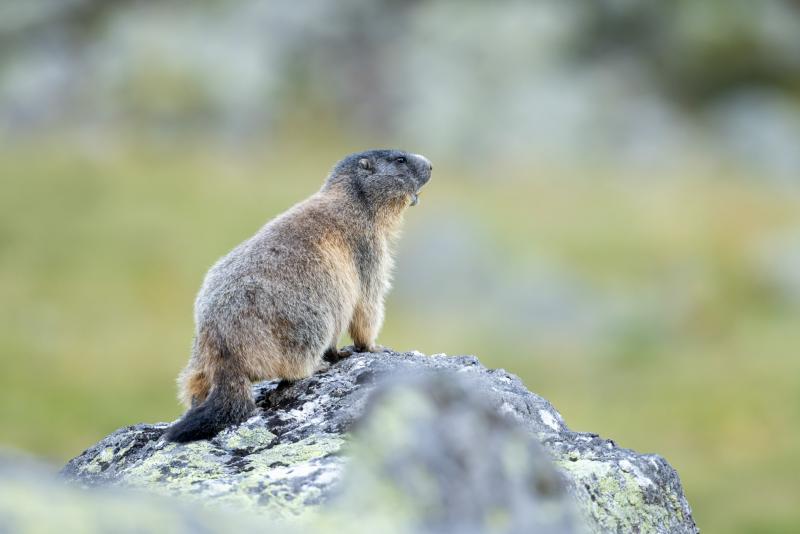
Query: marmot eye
{"x": 401, "y": 159}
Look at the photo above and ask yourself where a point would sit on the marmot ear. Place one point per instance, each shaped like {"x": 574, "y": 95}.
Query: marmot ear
{"x": 365, "y": 164}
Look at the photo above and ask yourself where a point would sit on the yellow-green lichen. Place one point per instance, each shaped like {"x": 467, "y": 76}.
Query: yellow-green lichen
{"x": 265, "y": 481}
{"x": 245, "y": 437}
{"x": 294, "y": 453}
{"x": 614, "y": 499}
{"x": 104, "y": 457}
{"x": 175, "y": 468}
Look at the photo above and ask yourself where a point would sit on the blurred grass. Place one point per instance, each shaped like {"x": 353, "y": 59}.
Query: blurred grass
{"x": 103, "y": 245}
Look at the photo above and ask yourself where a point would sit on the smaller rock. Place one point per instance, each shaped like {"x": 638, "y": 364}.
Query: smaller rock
{"x": 33, "y": 501}
{"x": 432, "y": 455}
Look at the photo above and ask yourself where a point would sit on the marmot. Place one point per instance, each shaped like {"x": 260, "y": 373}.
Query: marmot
{"x": 278, "y": 303}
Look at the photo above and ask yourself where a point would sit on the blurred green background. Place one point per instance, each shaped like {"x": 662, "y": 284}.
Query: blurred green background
{"x": 614, "y": 213}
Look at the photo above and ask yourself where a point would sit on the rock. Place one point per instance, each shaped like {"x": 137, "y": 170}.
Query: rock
{"x": 421, "y": 443}
{"x": 431, "y": 455}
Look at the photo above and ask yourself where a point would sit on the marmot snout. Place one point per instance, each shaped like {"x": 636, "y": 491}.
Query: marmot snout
{"x": 279, "y": 301}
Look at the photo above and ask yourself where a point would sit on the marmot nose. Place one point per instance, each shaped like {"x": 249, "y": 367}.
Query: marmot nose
{"x": 425, "y": 161}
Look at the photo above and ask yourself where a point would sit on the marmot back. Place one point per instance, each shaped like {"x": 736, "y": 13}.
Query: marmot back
{"x": 278, "y": 302}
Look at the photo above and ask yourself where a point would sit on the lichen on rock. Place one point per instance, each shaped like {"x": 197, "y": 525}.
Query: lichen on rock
{"x": 413, "y": 442}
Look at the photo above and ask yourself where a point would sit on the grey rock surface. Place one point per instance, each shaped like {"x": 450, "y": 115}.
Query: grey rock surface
{"x": 390, "y": 432}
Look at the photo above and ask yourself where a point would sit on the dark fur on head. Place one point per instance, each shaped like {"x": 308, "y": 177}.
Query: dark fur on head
{"x": 379, "y": 177}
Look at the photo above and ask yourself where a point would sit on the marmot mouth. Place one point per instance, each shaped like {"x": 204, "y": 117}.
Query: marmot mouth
{"x": 415, "y": 198}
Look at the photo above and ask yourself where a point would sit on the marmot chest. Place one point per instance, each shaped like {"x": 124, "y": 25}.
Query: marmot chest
{"x": 371, "y": 258}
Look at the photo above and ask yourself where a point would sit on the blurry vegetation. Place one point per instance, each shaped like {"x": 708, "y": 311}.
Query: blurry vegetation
{"x": 700, "y": 51}
{"x": 614, "y": 214}
{"x": 635, "y": 81}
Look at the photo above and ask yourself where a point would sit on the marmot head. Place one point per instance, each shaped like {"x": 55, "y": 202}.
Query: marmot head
{"x": 382, "y": 178}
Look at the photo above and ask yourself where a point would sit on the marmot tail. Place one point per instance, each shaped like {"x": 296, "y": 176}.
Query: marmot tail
{"x": 229, "y": 402}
